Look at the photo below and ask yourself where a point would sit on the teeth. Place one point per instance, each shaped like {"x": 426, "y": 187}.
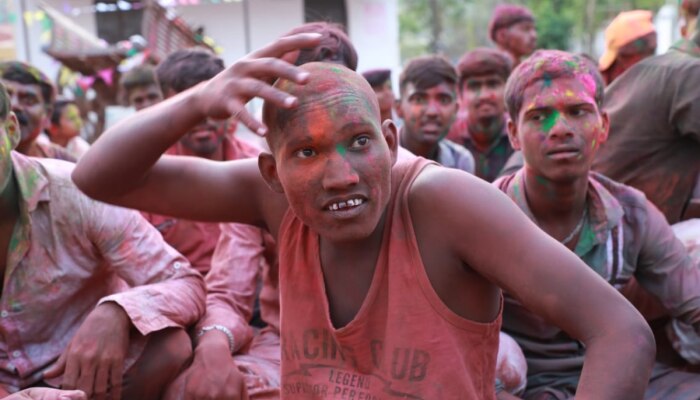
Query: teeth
{"x": 345, "y": 204}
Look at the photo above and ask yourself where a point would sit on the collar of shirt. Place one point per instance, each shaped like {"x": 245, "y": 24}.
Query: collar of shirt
{"x": 687, "y": 46}
{"x": 33, "y": 184}
{"x": 501, "y": 142}
{"x": 604, "y": 211}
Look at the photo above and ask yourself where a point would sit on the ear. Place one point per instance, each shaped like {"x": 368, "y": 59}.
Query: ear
{"x": 268, "y": 169}
{"x": 12, "y": 129}
{"x": 605, "y": 119}
{"x": 512, "y": 128}
{"x": 391, "y": 135}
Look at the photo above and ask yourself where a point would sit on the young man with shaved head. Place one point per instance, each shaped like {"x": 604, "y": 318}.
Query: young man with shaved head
{"x": 554, "y": 101}
{"x": 387, "y": 290}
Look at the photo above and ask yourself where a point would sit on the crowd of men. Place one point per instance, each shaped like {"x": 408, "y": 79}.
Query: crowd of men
{"x": 514, "y": 225}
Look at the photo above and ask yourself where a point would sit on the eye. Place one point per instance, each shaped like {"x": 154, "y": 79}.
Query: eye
{"x": 539, "y": 117}
{"x": 305, "y": 153}
{"x": 360, "y": 142}
{"x": 578, "y": 112}
{"x": 445, "y": 100}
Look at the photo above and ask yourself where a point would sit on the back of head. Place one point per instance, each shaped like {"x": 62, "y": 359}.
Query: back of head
{"x": 547, "y": 66}
{"x": 630, "y": 33}
{"x": 691, "y": 7}
{"x": 143, "y": 75}
{"x": 335, "y": 45}
{"x": 426, "y": 72}
{"x": 4, "y": 103}
{"x": 484, "y": 61}
{"x": 377, "y": 77}
{"x": 328, "y": 81}
{"x": 184, "y": 69}
{"x": 506, "y": 15}
{"x": 27, "y": 74}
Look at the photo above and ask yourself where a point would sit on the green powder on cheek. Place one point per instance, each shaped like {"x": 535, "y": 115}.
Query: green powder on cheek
{"x": 340, "y": 149}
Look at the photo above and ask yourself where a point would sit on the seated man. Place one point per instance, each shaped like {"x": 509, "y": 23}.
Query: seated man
{"x": 31, "y": 97}
{"x": 386, "y": 288}
{"x": 92, "y": 296}
{"x": 140, "y": 87}
{"x": 482, "y": 127}
{"x": 229, "y": 356}
{"x": 654, "y": 138}
{"x": 428, "y": 106}
{"x": 630, "y": 38}
{"x": 553, "y": 99}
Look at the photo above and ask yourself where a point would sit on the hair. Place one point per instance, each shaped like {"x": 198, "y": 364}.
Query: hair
{"x": 143, "y": 75}
{"x": 377, "y": 77}
{"x": 58, "y": 106}
{"x": 692, "y": 7}
{"x": 335, "y": 45}
{"x": 484, "y": 61}
{"x": 186, "y": 68}
{"x": 549, "y": 65}
{"x": 506, "y": 15}
{"x": 427, "y": 71}
{"x": 4, "y": 102}
{"x": 26, "y": 74}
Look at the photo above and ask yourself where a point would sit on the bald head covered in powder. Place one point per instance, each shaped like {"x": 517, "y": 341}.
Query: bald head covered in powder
{"x": 545, "y": 66}
{"x": 333, "y": 87}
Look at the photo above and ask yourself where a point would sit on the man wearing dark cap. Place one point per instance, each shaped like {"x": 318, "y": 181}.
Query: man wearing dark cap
{"x": 512, "y": 28}
{"x": 380, "y": 80}
{"x": 32, "y": 95}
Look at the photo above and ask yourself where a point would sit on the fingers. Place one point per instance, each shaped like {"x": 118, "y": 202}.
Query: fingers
{"x": 287, "y": 44}
{"x": 101, "y": 382}
{"x": 73, "y": 395}
{"x": 271, "y": 67}
{"x": 56, "y": 369}
{"x": 70, "y": 374}
{"x": 86, "y": 378}
{"x": 116, "y": 376}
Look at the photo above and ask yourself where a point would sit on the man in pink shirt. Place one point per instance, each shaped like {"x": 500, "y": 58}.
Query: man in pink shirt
{"x": 211, "y": 140}
{"x": 92, "y": 299}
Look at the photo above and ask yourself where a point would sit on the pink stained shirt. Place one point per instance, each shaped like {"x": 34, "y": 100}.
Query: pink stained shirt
{"x": 197, "y": 240}
{"x": 69, "y": 253}
{"x": 243, "y": 256}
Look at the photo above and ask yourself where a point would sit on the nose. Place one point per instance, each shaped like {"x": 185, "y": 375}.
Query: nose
{"x": 557, "y": 126}
{"x": 432, "y": 108}
{"x": 339, "y": 174}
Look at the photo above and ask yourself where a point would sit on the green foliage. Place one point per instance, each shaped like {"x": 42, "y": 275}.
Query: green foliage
{"x": 561, "y": 24}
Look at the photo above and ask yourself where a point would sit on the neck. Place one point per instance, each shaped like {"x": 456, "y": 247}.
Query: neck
{"x": 484, "y": 133}
{"x": 61, "y": 141}
{"x": 424, "y": 150}
{"x": 24, "y": 147}
{"x": 555, "y": 204}
{"x": 355, "y": 249}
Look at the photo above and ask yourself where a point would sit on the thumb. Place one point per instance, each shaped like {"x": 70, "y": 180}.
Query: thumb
{"x": 73, "y": 395}
{"x": 57, "y": 368}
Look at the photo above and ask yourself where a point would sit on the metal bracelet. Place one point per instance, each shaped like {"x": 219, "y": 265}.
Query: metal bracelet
{"x": 219, "y": 328}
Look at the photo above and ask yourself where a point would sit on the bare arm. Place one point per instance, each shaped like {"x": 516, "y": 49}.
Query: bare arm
{"x": 499, "y": 242}
{"x": 125, "y": 167}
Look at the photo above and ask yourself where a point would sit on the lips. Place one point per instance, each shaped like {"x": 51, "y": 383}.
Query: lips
{"x": 560, "y": 153}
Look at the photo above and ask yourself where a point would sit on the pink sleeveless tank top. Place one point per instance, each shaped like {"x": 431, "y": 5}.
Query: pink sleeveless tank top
{"x": 404, "y": 343}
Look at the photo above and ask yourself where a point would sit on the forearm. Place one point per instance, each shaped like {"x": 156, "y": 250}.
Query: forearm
{"x": 121, "y": 158}
{"x": 618, "y": 366}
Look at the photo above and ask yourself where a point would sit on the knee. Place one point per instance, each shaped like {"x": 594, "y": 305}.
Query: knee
{"x": 511, "y": 367}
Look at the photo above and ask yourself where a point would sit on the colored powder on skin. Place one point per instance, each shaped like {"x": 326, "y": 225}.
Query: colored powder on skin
{"x": 547, "y": 80}
{"x": 550, "y": 121}
{"x": 588, "y": 83}
{"x": 569, "y": 93}
{"x": 340, "y": 149}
